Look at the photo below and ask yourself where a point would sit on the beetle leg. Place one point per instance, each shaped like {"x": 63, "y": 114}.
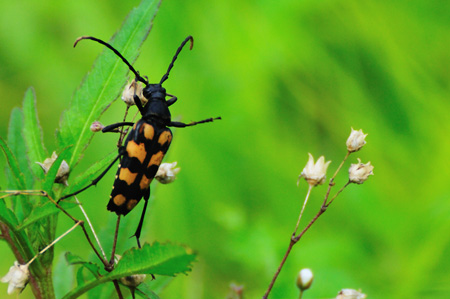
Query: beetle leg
{"x": 137, "y": 234}
{"x": 95, "y": 181}
{"x": 178, "y": 124}
{"x": 172, "y": 100}
{"x": 113, "y": 127}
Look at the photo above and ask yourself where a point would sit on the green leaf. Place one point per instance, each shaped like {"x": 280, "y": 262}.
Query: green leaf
{"x": 157, "y": 259}
{"x": 144, "y": 291}
{"x": 16, "y": 142}
{"x": 44, "y": 210}
{"x": 7, "y": 216}
{"x": 73, "y": 259}
{"x": 105, "y": 81}
{"x": 17, "y": 145}
{"x": 17, "y": 176}
{"x": 32, "y": 133}
{"x": 162, "y": 259}
{"x": 90, "y": 174}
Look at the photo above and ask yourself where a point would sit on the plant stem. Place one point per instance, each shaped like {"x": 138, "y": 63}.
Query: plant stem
{"x": 303, "y": 208}
{"x": 294, "y": 238}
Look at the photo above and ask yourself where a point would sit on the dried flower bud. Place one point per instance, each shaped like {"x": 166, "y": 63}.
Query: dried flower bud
{"x": 358, "y": 173}
{"x": 167, "y": 173}
{"x": 133, "y": 281}
{"x": 236, "y": 291}
{"x": 350, "y": 294}
{"x": 304, "y": 279}
{"x": 132, "y": 89}
{"x": 63, "y": 171}
{"x": 315, "y": 174}
{"x": 97, "y": 126}
{"x": 17, "y": 277}
{"x": 356, "y": 140}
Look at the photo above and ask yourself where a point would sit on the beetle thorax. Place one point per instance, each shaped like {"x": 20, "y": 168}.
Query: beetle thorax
{"x": 156, "y": 107}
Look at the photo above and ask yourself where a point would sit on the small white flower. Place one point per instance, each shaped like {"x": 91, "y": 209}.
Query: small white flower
{"x": 96, "y": 126}
{"x": 358, "y": 173}
{"x": 63, "y": 171}
{"x": 304, "y": 279}
{"x": 315, "y": 174}
{"x": 132, "y": 89}
{"x": 350, "y": 294}
{"x": 17, "y": 277}
{"x": 167, "y": 173}
{"x": 356, "y": 140}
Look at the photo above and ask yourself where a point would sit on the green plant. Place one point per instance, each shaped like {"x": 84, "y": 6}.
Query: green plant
{"x": 28, "y": 210}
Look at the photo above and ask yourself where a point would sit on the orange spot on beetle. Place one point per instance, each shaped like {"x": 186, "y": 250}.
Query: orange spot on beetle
{"x": 165, "y": 136}
{"x": 149, "y": 132}
{"x": 127, "y": 176}
{"x": 145, "y": 182}
{"x": 136, "y": 150}
{"x": 156, "y": 159}
{"x": 119, "y": 200}
{"x": 131, "y": 204}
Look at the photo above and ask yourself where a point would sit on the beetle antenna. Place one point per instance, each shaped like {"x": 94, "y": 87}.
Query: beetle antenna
{"x": 136, "y": 73}
{"x": 166, "y": 75}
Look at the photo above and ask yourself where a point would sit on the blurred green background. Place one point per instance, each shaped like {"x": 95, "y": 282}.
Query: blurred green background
{"x": 288, "y": 78}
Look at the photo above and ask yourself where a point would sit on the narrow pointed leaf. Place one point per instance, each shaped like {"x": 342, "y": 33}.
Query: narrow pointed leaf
{"x": 105, "y": 81}
{"x": 17, "y": 145}
{"x": 18, "y": 182}
{"x": 32, "y": 133}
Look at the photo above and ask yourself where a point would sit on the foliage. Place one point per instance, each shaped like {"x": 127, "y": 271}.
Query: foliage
{"x": 287, "y": 77}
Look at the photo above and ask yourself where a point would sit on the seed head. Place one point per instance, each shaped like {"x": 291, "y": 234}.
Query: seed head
{"x": 358, "y": 173}
{"x": 356, "y": 140}
{"x": 315, "y": 174}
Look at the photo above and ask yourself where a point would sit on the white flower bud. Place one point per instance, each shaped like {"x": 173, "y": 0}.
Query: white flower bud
{"x": 17, "y": 277}
{"x": 132, "y": 89}
{"x": 167, "y": 173}
{"x": 315, "y": 174}
{"x": 63, "y": 171}
{"x": 358, "y": 173}
{"x": 96, "y": 126}
{"x": 304, "y": 279}
{"x": 356, "y": 140}
{"x": 350, "y": 294}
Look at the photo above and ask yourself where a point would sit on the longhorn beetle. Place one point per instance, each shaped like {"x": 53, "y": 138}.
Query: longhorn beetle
{"x": 145, "y": 145}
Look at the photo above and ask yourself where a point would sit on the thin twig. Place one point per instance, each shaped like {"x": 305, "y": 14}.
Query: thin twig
{"x": 303, "y": 208}
{"x": 54, "y": 242}
{"x": 113, "y": 251}
{"x": 119, "y": 292}
{"x": 91, "y": 227}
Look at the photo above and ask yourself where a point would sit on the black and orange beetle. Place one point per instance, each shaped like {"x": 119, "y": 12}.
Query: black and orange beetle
{"x": 145, "y": 145}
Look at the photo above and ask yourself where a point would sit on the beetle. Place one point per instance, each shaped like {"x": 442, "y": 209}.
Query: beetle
{"x": 146, "y": 143}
